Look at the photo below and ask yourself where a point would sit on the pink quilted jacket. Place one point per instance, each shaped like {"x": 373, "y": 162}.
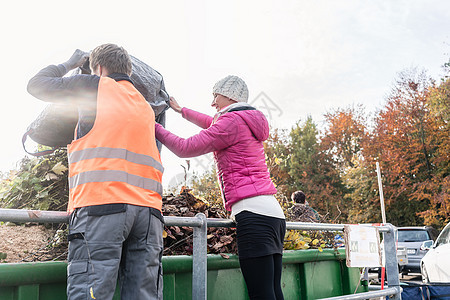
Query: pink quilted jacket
{"x": 236, "y": 138}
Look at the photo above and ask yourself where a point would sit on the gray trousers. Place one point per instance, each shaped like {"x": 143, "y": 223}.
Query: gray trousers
{"x": 124, "y": 243}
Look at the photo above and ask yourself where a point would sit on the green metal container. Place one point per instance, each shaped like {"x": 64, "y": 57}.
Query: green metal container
{"x": 307, "y": 274}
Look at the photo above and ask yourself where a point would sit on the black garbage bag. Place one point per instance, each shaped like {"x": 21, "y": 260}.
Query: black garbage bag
{"x": 150, "y": 84}
{"x": 55, "y": 125}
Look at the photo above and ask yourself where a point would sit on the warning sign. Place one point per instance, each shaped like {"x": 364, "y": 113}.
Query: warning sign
{"x": 362, "y": 246}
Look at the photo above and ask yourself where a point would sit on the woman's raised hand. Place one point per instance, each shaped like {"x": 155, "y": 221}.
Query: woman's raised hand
{"x": 174, "y": 104}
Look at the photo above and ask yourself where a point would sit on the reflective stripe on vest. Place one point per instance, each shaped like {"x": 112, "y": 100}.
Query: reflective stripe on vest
{"x": 117, "y": 161}
{"x": 119, "y": 176}
{"x": 103, "y": 152}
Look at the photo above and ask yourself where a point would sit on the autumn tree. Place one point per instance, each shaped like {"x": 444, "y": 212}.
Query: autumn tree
{"x": 344, "y": 136}
{"x": 437, "y": 189}
{"x": 403, "y": 142}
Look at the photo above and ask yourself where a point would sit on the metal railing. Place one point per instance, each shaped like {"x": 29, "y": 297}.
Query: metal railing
{"x": 199, "y": 258}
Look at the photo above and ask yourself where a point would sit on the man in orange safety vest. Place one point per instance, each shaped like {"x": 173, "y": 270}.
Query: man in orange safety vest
{"x": 115, "y": 172}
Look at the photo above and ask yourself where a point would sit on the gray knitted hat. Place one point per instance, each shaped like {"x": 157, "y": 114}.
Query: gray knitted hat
{"x": 232, "y": 87}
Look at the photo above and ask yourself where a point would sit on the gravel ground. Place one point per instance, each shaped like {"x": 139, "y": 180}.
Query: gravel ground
{"x": 26, "y": 243}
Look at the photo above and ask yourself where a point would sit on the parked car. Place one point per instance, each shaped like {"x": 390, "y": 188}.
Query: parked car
{"x": 413, "y": 238}
{"x": 402, "y": 260}
{"x": 435, "y": 265}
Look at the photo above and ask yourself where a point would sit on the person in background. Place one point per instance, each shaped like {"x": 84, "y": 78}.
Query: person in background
{"x": 115, "y": 172}
{"x": 301, "y": 211}
{"x": 235, "y": 135}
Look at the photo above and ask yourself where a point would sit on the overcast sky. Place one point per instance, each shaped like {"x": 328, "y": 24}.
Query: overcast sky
{"x": 298, "y": 57}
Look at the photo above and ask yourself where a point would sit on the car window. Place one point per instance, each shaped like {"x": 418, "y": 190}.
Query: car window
{"x": 413, "y": 236}
{"x": 444, "y": 238}
{"x": 433, "y": 232}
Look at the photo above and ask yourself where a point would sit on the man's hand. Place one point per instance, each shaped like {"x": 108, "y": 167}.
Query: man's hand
{"x": 78, "y": 58}
{"x": 174, "y": 104}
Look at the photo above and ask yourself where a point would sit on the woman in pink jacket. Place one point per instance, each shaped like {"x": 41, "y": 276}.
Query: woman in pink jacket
{"x": 235, "y": 135}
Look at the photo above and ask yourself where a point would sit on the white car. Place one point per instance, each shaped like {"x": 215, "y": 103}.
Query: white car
{"x": 435, "y": 265}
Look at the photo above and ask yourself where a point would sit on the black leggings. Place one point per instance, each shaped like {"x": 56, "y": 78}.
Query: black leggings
{"x": 262, "y": 276}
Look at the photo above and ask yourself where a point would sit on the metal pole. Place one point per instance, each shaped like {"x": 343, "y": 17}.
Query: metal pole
{"x": 383, "y": 218}
{"x": 42, "y": 216}
{"x": 214, "y": 222}
{"x": 199, "y": 260}
{"x": 391, "y": 260}
{"x": 314, "y": 226}
{"x": 38, "y": 216}
{"x": 367, "y": 295}
{"x": 183, "y": 221}
{"x": 380, "y": 187}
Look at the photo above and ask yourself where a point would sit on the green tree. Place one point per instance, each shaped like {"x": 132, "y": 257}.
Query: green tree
{"x": 312, "y": 171}
{"x": 277, "y": 159}
{"x": 362, "y": 195}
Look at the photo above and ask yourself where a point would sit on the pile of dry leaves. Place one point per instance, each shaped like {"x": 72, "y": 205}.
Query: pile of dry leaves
{"x": 178, "y": 240}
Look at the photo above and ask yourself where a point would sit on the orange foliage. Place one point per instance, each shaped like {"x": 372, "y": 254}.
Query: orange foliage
{"x": 345, "y": 135}
{"x": 407, "y": 142}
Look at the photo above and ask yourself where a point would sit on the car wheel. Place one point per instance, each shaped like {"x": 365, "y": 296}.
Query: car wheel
{"x": 425, "y": 278}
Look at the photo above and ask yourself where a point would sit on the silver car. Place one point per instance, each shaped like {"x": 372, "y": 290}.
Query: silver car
{"x": 414, "y": 238}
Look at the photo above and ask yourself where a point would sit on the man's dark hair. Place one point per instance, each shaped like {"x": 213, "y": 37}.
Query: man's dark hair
{"x": 111, "y": 56}
{"x": 298, "y": 197}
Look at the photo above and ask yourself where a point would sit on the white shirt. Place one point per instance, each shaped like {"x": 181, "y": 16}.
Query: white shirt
{"x": 266, "y": 205}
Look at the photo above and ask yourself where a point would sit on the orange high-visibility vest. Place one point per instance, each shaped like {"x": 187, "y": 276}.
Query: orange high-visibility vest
{"x": 117, "y": 161}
